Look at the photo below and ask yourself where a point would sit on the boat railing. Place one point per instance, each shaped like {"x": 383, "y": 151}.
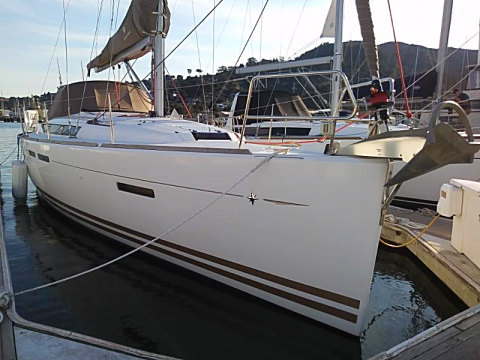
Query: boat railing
{"x": 346, "y": 89}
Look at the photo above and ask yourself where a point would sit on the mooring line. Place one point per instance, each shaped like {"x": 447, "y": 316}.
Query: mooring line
{"x": 264, "y": 161}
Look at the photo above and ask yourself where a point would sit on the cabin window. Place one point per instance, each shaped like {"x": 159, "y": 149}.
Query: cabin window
{"x": 61, "y": 129}
{"x": 31, "y": 153}
{"x": 43, "y": 158}
{"x": 137, "y": 190}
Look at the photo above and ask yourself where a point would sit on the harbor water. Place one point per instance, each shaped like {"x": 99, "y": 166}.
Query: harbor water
{"x": 149, "y": 304}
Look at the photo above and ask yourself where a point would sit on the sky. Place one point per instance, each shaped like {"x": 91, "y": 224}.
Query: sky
{"x": 29, "y": 30}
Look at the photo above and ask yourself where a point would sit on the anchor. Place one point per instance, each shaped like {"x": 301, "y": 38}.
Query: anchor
{"x": 423, "y": 150}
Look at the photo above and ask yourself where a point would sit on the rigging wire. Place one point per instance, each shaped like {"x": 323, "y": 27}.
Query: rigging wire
{"x": 95, "y": 41}
{"x": 448, "y": 91}
{"x": 415, "y": 71}
{"x": 54, "y": 49}
{"x": 434, "y": 67}
{"x": 177, "y": 46}
{"x": 179, "y": 94}
{"x": 399, "y": 59}
{"x": 296, "y": 27}
{"x": 199, "y": 61}
{"x": 241, "y": 53}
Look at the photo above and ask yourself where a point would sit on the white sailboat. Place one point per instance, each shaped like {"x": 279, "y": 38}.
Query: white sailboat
{"x": 297, "y": 228}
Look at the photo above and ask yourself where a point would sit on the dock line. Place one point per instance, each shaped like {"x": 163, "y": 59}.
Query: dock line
{"x": 415, "y": 238}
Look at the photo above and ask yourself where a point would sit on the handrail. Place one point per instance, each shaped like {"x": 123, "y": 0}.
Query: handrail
{"x": 257, "y": 78}
{"x": 434, "y": 118}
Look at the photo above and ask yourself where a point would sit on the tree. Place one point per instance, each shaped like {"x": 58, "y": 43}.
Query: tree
{"x": 251, "y": 61}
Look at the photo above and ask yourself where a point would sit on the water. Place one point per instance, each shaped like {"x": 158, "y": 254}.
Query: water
{"x": 149, "y": 304}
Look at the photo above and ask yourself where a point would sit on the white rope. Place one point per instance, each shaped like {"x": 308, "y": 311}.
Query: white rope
{"x": 195, "y": 214}
{"x": 8, "y": 157}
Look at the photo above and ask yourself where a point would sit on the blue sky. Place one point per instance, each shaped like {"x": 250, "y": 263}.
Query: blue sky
{"x": 29, "y": 30}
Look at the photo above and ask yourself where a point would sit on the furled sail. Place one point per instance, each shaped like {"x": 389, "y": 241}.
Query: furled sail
{"x": 366, "y": 27}
{"x": 133, "y": 39}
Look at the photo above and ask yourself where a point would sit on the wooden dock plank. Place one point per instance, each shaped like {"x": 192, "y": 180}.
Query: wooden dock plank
{"x": 454, "y": 338}
{"x": 469, "y": 350}
{"x": 454, "y": 343}
{"x": 416, "y": 351}
{"x": 468, "y": 323}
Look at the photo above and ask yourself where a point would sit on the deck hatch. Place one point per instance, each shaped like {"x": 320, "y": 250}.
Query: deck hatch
{"x": 137, "y": 190}
{"x": 210, "y": 135}
{"x": 43, "y": 158}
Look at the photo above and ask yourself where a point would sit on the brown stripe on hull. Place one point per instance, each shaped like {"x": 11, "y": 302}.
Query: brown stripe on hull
{"x": 345, "y": 315}
{"x": 325, "y": 294}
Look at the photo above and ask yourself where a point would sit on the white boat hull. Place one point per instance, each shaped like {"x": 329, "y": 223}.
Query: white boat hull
{"x": 308, "y": 243}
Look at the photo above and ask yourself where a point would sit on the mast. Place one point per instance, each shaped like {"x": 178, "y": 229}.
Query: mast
{"x": 478, "y": 55}
{"x": 442, "y": 49}
{"x": 337, "y": 56}
{"x": 159, "y": 54}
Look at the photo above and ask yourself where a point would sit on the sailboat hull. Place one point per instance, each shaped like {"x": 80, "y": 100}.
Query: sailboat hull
{"x": 300, "y": 232}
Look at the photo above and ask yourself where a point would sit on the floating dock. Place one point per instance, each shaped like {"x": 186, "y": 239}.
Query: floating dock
{"x": 434, "y": 249}
{"x": 459, "y": 336}
{"x": 454, "y": 338}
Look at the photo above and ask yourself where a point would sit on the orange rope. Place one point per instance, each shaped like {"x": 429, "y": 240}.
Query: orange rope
{"x": 399, "y": 59}
{"x": 179, "y": 94}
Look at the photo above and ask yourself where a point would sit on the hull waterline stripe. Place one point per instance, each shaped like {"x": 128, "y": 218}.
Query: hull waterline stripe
{"x": 325, "y": 294}
{"x": 266, "y": 288}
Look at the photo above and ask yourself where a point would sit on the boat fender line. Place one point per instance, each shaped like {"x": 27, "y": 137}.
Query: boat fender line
{"x": 265, "y": 160}
{"x": 415, "y": 238}
{"x": 9, "y": 155}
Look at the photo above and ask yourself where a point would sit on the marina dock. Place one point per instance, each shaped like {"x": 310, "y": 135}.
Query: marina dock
{"x": 455, "y": 338}
{"x": 459, "y": 336}
{"x": 434, "y": 249}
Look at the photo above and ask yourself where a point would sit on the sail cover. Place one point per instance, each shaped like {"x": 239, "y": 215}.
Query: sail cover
{"x": 133, "y": 38}
{"x": 124, "y": 97}
{"x": 366, "y": 27}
